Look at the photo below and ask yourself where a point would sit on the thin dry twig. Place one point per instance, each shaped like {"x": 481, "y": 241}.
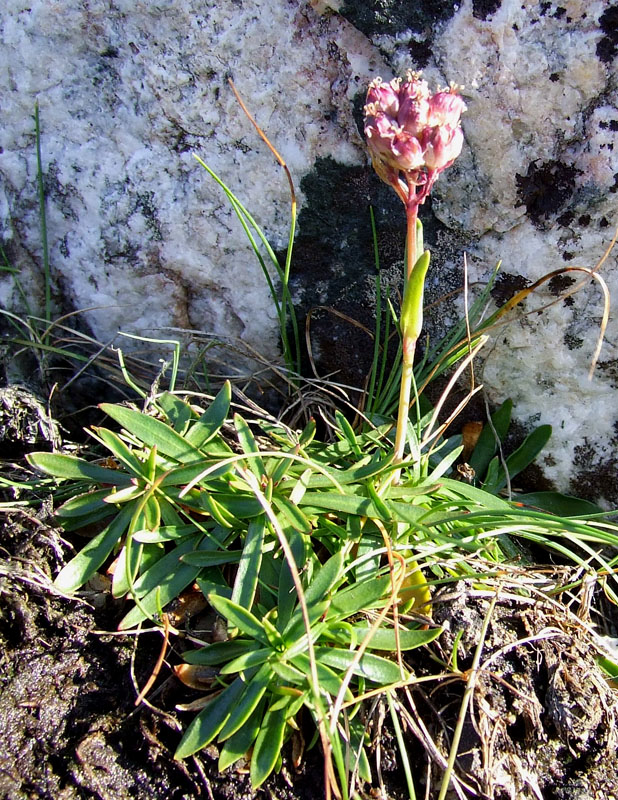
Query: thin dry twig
{"x": 157, "y": 667}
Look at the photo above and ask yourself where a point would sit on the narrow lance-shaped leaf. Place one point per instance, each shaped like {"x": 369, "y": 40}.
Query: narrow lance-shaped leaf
{"x": 249, "y": 446}
{"x": 210, "y": 720}
{"x": 248, "y": 702}
{"x": 153, "y": 432}
{"x": 491, "y": 436}
{"x": 83, "y": 566}
{"x": 267, "y": 747}
{"x": 239, "y": 743}
{"x": 63, "y": 466}
{"x": 176, "y": 410}
{"x": 121, "y": 451}
{"x": 239, "y": 617}
{"x": 374, "y": 668}
{"x": 245, "y": 583}
{"x": 82, "y": 505}
{"x": 209, "y": 424}
{"x": 161, "y": 584}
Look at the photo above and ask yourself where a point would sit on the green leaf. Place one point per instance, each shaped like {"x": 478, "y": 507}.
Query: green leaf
{"x": 384, "y": 638}
{"x": 209, "y": 424}
{"x": 325, "y": 579}
{"x": 248, "y": 702}
{"x": 348, "y": 433}
{"x": 411, "y": 318}
{"x": 126, "y": 494}
{"x": 239, "y": 743}
{"x": 267, "y": 746}
{"x": 210, "y": 720}
{"x": 82, "y": 505}
{"x": 378, "y": 501}
{"x": 358, "y": 597}
{"x": 211, "y": 558}
{"x": 167, "y": 533}
{"x": 215, "y": 583}
{"x": 286, "y": 597}
{"x": 153, "y": 432}
{"x": 295, "y": 629}
{"x": 374, "y": 668}
{"x": 491, "y": 476}
{"x": 522, "y": 457}
{"x": 487, "y": 444}
{"x": 344, "y": 477}
{"x": 122, "y": 452}
{"x": 83, "y": 566}
{"x": 236, "y": 506}
{"x": 220, "y": 513}
{"x": 246, "y": 661}
{"x": 556, "y": 503}
{"x": 220, "y": 652}
{"x": 445, "y": 464}
{"x": 316, "y": 502}
{"x": 120, "y": 584}
{"x": 161, "y": 584}
{"x": 180, "y": 476}
{"x": 249, "y": 446}
{"x": 368, "y": 556}
{"x": 239, "y": 618}
{"x": 292, "y": 513}
{"x": 358, "y": 736}
{"x": 245, "y": 583}
{"x": 62, "y": 466}
{"x": 328, "y": 679}
{"x": 176, "y": 410}
{"x": 530, "y": 448}
{"x": 345, "y": 504}
{"x": 479, "y": 497}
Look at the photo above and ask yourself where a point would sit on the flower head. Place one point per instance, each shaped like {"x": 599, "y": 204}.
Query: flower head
{"x": 411, "y": 134}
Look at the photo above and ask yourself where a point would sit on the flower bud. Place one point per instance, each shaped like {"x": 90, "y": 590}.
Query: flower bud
{"x": 413, "y": 115}
{"x": 385, "y": 96}
{"x": 445, "y": 108}
{"x": 406, "y": 152}
{"x": 442, "y": 145}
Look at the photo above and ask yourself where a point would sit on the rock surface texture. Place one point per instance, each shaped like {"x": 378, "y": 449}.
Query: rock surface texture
{"x": 141, "y": 236}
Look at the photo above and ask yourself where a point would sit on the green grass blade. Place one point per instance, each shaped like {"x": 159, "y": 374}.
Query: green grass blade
{"x": 42, "y": 214}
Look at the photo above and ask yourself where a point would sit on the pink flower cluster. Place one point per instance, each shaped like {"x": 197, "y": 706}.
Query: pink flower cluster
{"x": 413, "y": 132}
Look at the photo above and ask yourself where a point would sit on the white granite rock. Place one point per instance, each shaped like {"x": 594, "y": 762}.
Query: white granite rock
{"x": 129, "y": 90}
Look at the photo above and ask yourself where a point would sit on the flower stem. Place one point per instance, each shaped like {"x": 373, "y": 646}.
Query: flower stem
{"x": 411, "y": 216}
{"x": 407, "y": 371}
{"x": 409, "y": 345}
